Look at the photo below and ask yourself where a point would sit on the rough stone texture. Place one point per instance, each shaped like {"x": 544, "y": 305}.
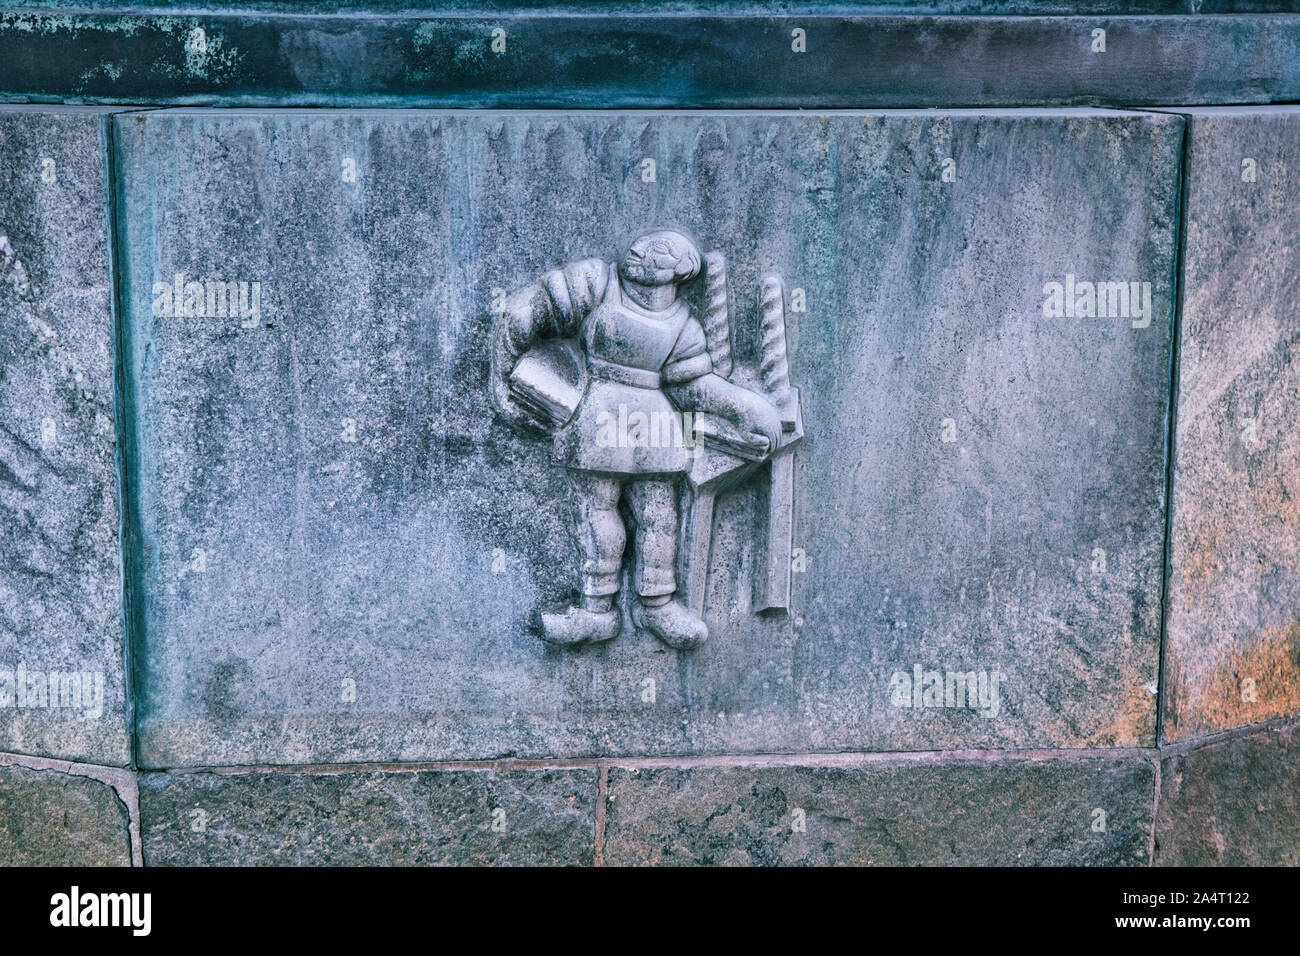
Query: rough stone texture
{"x": 960, "y": 812}
{"x": 695, "y": 55}
{"x": 1234, "y": 588}
{"x": 49, "y": 818}
{"x": 369, "y": 818}
{"x": 1232, "y": 803}
{"x": 60, "y": 584}
{"x": 282, "y": 562}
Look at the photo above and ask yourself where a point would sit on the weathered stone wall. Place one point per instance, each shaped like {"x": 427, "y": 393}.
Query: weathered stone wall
{"x": 268, "y": 573}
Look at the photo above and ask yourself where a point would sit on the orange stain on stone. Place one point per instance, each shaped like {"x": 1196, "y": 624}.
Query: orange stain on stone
{"x": 1133, "y": 724}
{"x": 1268, "y": 670}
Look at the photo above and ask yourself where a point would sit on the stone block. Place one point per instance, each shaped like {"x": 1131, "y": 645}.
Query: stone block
{"x": 1232, "y": 803}
{"x": 61, "y": 646}
{"x": 1005, "y": 812}
{"x": 371, "y": 818}
{"x": 342, "y": 547}
{"x": 1232, "y": 649}
{"x": 48, "y": 818}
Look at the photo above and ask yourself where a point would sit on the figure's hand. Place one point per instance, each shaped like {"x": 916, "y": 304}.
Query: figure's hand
{"x": 761, "y": 417}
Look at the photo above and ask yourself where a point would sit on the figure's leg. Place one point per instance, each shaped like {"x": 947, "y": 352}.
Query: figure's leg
{"x": 654, "y": 508}
{"x": 600, "y": 536}
{"x": 653, "y": 504}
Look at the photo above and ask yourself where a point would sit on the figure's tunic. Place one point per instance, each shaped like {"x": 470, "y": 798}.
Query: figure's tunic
{"x": 625, "y": 425}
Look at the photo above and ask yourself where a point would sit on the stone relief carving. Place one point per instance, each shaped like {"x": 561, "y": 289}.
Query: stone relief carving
{"x": 647, "y": 408}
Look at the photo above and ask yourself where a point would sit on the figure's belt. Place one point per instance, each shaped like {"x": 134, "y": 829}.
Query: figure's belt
{"x": 623, "y": 374}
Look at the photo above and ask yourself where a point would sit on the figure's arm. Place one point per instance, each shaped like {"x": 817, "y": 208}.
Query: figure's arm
{"x": 552, "y": 307}
{"x": 692, "y": 385}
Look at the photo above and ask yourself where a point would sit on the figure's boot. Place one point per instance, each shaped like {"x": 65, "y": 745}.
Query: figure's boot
{"x": 671, "y": 621}
{"x": 592, "y": 621}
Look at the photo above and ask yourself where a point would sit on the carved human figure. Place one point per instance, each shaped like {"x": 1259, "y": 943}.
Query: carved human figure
{"x": 644, "y": 352}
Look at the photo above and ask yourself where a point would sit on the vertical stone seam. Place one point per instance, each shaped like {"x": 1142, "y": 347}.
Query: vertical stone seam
{"x": 1175, "y": 345}
{"x": 602, "y": 795}
{"x": 1156, "y": 759}
{"x": 122, "y": 423}
{"x": 132, "y": 801}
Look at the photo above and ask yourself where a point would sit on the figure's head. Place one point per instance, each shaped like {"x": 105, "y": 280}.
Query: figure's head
{"x": 660, "y": 258}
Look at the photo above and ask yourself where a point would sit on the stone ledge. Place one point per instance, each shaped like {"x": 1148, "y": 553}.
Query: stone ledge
{"x": 1229, "y": 800}
{"x": 631, "y": 59}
